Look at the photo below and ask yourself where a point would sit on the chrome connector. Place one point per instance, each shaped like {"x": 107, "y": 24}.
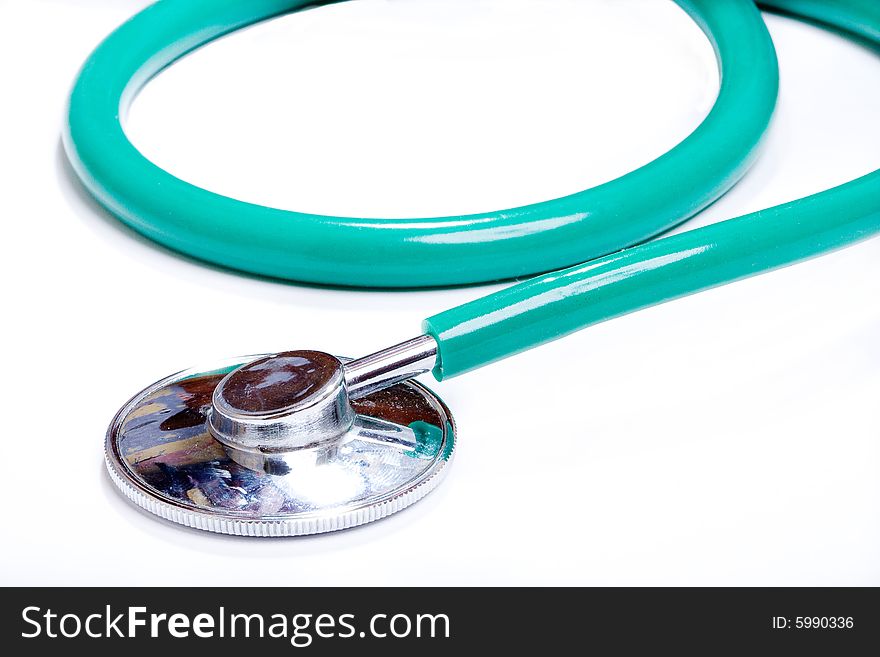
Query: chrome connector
{"x": 389, "y": 366}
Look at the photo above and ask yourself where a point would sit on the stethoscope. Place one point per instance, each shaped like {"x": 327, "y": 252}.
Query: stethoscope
{"x": 304, "y": 442}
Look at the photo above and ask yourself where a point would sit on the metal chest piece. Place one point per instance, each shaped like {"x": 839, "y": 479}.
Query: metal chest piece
{"x": 288, "y": 444}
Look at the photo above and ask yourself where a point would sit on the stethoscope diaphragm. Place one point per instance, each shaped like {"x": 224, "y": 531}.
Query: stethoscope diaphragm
{"x": 389, "y": 452}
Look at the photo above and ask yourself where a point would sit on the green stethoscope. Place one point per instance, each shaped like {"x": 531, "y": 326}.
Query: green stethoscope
{"x": 302, "y": 442}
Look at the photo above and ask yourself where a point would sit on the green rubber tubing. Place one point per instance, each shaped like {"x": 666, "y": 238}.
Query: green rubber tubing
{"x": 590, "y": 230}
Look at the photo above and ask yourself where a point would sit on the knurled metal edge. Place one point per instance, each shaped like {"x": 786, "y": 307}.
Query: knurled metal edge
{"x": 292, "y": 526}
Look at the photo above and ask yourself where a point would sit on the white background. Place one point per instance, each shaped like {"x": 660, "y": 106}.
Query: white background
{"x": 728, "y": 438}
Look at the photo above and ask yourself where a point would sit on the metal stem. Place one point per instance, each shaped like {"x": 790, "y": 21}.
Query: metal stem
{"x": 389, "y": 366}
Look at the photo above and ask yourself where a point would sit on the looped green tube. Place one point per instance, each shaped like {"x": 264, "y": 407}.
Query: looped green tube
{"x": 404, "y": 252}
{"x": 490, "y": 246}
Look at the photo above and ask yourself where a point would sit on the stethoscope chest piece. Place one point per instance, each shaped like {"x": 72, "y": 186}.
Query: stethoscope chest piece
{"x": 278, "y": 447}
